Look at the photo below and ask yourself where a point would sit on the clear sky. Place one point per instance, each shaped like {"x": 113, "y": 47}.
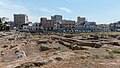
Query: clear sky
{"x": 101, "y": 11}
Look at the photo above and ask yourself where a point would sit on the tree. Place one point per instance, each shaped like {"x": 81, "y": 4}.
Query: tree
{"x": 0, "y": 25}
{"x": 0, "y": 20}
{"x": 3, "y": 26}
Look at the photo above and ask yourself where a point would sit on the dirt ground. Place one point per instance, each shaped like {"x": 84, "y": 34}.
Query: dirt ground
{"x": 59, "y": 50}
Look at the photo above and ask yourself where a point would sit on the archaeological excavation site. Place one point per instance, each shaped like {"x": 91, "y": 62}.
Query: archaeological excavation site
{"x": 59, "y": 50}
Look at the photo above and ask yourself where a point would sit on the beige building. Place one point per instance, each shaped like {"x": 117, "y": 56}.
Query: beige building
{"x": 20, "y": 19}
{"x": 81, "y": 19}
{"x": 68, "y": 24}
{"x": 47, "y": 24}
{"x": 103, "y": 27}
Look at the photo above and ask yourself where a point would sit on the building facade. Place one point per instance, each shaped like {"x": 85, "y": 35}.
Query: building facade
{"x": 68, "y": 26}
{"x": 112, "y": 27}
{"x": 103, "y": 28}
{"x": 115, "y": 26}
{"x": 57, "y": 20}
{"x": 20, "y": 19}
{"x": 91, "y": 26}
{"x": 32, "y": 26}
{"x": 81, "y": 19}
{"x": 47, "y": 24}
{"x": 86, "y": 27}
{"x": 80, "y": 24}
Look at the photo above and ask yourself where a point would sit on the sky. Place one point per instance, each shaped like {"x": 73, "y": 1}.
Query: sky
{"x": 100, "y": 11}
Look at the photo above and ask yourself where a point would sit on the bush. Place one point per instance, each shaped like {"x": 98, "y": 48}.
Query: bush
{"x": 116, "y": 51}
{"x": 79, "y": 58}
{"x": 109, "y": 56}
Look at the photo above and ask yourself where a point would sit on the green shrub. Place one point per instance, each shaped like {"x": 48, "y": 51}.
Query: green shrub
{"x": 116, "y": 51}
{"x": 109, "y": 56}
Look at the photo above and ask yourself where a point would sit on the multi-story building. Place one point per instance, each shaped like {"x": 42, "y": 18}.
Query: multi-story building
{"x": 90, "y": 26}
{"x": 80, "y": 24}
{"x": 36, "y": 26}
{"x": 32, "y": 26}
{"x": 81, "y": 19}
{"x": 86, "y": 27}
{"x": 112, "y": 27}
{"x": 83, "y": 26}
{"x": 115, "y": 26}
{"x": 43, "y": 23}
{"x": 57, "y": 19}
{"x": 50, "y": 25}
{"x": 103, "y": 28}
{"x": 27, "y": 27}
{"x": 20, "y": 19}
{"x": 47, "y": 24}
{"x": 68, "y": 25}
{"x": 43, "y": 20}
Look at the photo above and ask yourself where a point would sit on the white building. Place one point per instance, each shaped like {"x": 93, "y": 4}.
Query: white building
{"x": 103, "y": 27}
{"x": 85, "y": 26}
{"x": 27, "y": 27}
{"x": 32, "y": 26}
{"x": 36, "y": 26}
{"x": 90, "y": 26}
